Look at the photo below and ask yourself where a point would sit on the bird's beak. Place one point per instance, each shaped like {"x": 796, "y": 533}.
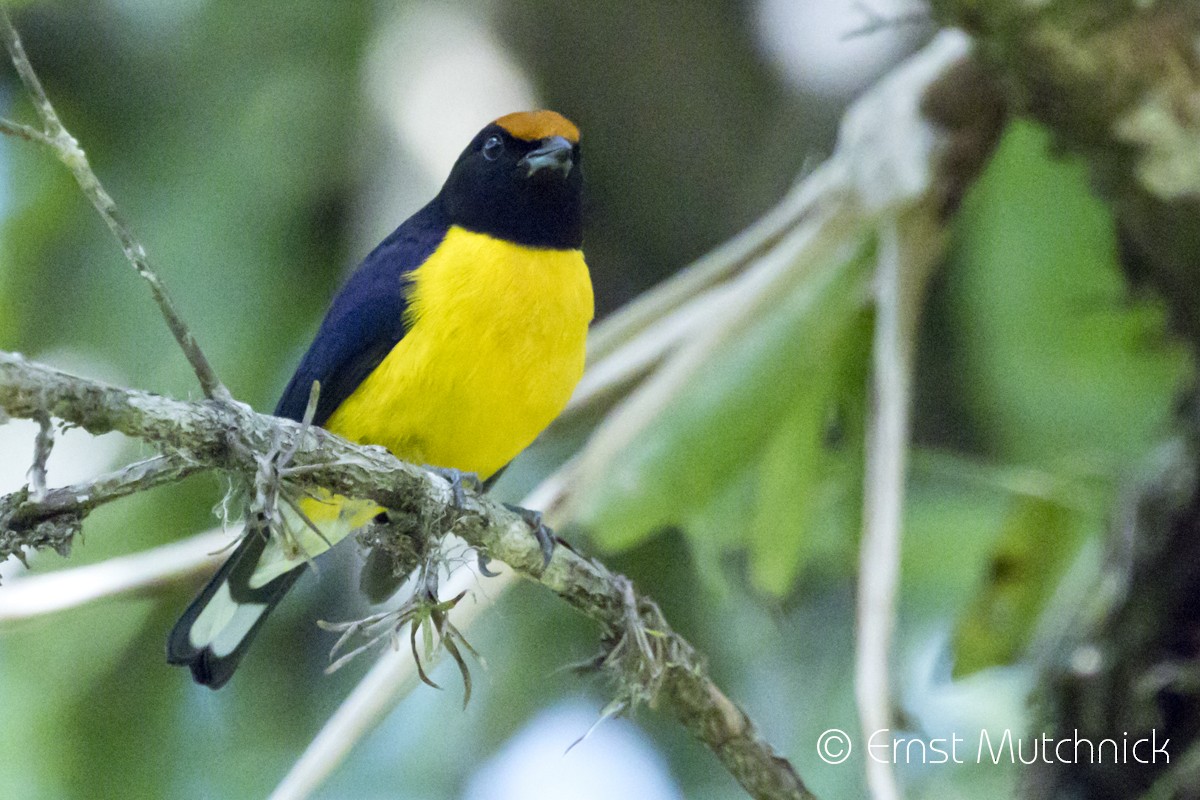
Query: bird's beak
{"x": 554, "y": 154}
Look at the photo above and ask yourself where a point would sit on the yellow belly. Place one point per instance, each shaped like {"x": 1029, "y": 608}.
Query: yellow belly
{"x": 495, "y": 345}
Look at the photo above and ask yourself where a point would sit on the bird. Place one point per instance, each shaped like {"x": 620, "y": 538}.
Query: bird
{"x": 454, "y": 343}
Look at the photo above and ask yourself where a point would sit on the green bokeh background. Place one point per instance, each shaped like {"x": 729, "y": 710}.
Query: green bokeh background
{"x": 236, "y": 139}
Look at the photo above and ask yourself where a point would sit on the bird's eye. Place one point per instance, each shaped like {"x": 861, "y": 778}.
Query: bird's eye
{"x": 493, "y": 147}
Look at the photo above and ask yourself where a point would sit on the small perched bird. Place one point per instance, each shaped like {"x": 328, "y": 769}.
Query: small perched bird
{"x": 454, "y": 344}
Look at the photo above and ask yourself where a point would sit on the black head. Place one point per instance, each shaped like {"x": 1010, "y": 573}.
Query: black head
{"x": 520, "y": 180}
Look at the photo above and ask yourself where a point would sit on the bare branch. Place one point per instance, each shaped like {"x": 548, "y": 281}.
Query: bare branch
{"x": 55, "y": 136}
{"x": 29, "y": 134}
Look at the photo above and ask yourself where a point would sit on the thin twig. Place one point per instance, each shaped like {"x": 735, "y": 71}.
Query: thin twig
{"x": 84, "y": 497}
{"x": 910, "y": 165}
{"x": 22, "y": 131}
{"x": 45, "y": 110}
{"x": 42, "y": 445}
{"x": 72, "y": 155}
{"x": 879, "y": 563}
{"x": 876, "y": 21}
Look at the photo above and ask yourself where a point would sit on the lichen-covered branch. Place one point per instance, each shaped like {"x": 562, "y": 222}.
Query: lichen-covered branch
{"x": 51, "y": 518}
{"x": 228, "y": 437}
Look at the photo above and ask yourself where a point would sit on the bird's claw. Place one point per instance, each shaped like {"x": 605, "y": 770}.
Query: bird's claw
{"x": 458, "y": 479}
{"x": 482, "y": 562}
{"x": 543, "y": 534}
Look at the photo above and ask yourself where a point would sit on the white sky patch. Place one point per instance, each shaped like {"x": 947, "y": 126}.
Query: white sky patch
{"x": 616, "y": 761}
{"x": 811, "y": 45}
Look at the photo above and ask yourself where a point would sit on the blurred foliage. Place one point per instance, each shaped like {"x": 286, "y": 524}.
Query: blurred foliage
{"x": 1037, "y": 543}
{"x": 754, "y": 422}
{"x": 1064, "y": 369}
{"x": 231, "y": 135}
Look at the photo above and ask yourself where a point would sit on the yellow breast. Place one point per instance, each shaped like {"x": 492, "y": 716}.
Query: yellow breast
{"x": 495, "y": 346}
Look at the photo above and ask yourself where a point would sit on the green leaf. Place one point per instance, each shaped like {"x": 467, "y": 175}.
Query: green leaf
{"x": 1036, "y": 546}
{"x": 1061, "y": 369}
{"x": 718, "y": 528}
{"x": 809, "y": 480}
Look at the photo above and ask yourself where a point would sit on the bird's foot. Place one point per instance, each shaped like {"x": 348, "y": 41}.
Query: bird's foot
{"x": 458, "y": 479}
{"x": 543, "y": 534}
{"x": 482, "y": 562}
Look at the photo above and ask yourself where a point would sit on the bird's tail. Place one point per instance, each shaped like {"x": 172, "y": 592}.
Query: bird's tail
{"x": 213, "y": 634}
{"x": 216, "y": 629}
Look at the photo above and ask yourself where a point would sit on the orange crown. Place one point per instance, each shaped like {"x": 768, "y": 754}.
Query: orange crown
{"x": 534, "y": 125}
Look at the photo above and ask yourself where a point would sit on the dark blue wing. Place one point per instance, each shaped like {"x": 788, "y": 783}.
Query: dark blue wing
{"x": 366, "y": 319}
